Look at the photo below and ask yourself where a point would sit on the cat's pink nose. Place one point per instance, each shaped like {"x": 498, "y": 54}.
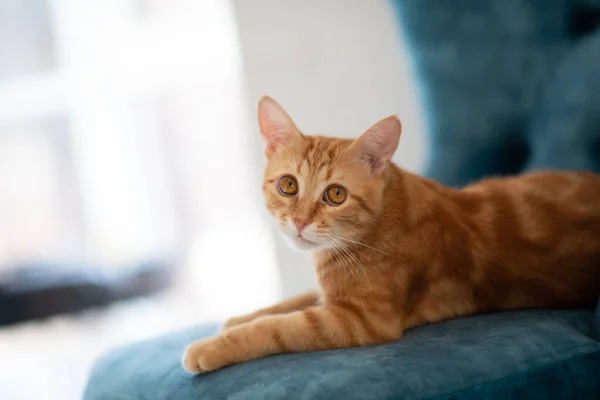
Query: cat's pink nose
{"x": 300, "y": 224}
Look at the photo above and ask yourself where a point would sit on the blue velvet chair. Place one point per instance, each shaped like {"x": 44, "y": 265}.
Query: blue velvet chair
{"x": 508, "y": 86}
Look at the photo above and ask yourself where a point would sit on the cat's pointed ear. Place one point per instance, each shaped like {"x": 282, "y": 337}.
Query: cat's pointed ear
{"x": 379, "y": 143}
{"x": 276, "y": 126}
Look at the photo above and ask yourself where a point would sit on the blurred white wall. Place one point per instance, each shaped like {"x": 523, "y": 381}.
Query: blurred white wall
{"x": 337, "y": 66}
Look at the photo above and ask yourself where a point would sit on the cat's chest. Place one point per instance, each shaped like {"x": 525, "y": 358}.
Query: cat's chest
{"x": 363, "y": 273}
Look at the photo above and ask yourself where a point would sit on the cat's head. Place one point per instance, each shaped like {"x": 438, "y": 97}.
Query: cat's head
{"x": 324, "y": 192}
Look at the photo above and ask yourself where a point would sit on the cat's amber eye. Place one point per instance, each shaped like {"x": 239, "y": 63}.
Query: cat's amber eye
{"x": 335, "y": 195}
{"x": 287, "y": 185}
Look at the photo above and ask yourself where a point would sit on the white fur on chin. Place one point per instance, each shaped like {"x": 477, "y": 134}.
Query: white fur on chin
{"x": 298, "y": 243}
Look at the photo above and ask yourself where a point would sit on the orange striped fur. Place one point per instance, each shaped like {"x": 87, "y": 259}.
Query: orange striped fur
{"x": 403, "y": 251}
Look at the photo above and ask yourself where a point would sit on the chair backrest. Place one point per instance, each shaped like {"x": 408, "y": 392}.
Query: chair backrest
{"x": 507, "y": 86}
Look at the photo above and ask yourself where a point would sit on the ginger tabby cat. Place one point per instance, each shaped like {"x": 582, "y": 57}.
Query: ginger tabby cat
{"x": 393, "y": 250}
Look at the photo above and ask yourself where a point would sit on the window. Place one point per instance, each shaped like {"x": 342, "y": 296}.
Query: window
{"x": 120, "y": 122}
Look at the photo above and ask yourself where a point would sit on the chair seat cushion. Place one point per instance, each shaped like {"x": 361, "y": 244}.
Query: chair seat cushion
{"x": 513, "y": 355}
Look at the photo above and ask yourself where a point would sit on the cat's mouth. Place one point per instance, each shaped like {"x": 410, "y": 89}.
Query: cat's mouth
{"x": 301, "y": 239}
{"x": 302, "y": 243}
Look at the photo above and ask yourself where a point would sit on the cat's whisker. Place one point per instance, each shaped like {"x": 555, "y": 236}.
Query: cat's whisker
{"x": 359, "y": 266}
{"x": 346, "y": 259}
{"x": 340, "y": 257}
{"x": 337, "y": 254}
{"x": 366, "y": 245}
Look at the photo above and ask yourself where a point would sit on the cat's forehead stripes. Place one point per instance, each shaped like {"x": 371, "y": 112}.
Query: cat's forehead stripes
{"x": 319, "y": 156}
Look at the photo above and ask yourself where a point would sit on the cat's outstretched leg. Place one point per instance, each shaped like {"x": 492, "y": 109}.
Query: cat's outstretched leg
{"x": 315, "y": 328}
{"x": 296, "y": 303}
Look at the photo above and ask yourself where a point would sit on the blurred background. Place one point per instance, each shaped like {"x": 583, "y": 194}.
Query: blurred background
{"x": 131, "y": 164}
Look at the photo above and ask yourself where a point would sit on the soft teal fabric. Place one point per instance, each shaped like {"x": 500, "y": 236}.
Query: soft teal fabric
{"x": 507, "y": 85}
{"x": 517, "y": 355}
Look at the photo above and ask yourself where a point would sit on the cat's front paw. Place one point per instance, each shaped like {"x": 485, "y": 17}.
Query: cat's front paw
{"x": 205, "y": 355}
